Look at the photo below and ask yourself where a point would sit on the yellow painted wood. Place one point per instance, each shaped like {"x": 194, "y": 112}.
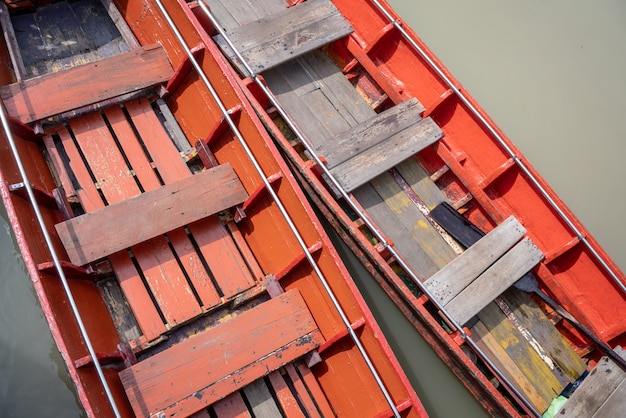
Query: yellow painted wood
{"x": 501, "y": 359}
{"x": 523, "y": 355}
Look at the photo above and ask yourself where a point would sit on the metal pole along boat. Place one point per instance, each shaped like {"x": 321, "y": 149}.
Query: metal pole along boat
{"x": 178, "y": 264}
{"x": 456, "y": 225}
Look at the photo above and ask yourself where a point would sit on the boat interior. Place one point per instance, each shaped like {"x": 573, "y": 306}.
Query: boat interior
{"x": 130, "y": 124}
{"x": 112, "y": 121}
{"x": 378, "y": 142}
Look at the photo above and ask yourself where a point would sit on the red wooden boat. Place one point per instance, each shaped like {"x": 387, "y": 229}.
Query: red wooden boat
{"x": 456, "y": 225}
{"x": 180, "y": 268}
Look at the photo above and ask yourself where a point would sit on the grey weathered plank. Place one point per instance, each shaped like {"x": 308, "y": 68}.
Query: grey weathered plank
{"x": 497, "y": 278}
{"x": 456, "y": 276}
{"x": 381, "y": 157}
{"x": 418, "y": 227}
{"x": 597, "y": 390}
{"x": 11, "y": 42}
{"x": 105, "y": 231}
{"x": 375, "y": 130}
{"x": 261, "y": 400}
{"x": 420, "y": 182}
{"x": 272, "y": 40}
{"x": 615, "y": 405}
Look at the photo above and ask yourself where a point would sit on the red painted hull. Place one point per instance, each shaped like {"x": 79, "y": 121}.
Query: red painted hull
{"x": 341, "y": 380}
{"x": 481, "y": 171}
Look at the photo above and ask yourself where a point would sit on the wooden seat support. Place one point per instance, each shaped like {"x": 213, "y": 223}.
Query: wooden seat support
{"x": 55, "y": 93}
{"x": 209, "y": 366}
{"x": 105, "y": 231}
{"x": 363, "y": 152}
{"x": 484, "y": 271}
{"x": 268, "y": 42}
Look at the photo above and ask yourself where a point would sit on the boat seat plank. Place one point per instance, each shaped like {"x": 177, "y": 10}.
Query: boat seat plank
{"x": 484, "y": 270}
{"x": 87, "y": 237}
{"x": 199, "y": 361}
{"x": 602, "y": 393}
{"x": 377, "y": 159}
{"x": 31, "y": 100}
{"x": 375, "y": 130}
{"x": 228, "y": 266}
{"x": 283, "y": 36}
{"x": 456, "y": 276}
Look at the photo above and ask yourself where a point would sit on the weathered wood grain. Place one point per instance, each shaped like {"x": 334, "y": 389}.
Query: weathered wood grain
{"x": 272, "y": 40}
{"x": 456, "y": 276}
{"x": 52, "y": 94}
{"x": 601, "y": 393}
{"x": 497, "y": 278}
{"x": 377, "y": 129}
{"x": 397, "y": 147}
{"x": 90, "y": 237}
{"x": 207, "y": 367}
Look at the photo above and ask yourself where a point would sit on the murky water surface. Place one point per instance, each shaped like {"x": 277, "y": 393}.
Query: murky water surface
{"x": 549, "y": 73}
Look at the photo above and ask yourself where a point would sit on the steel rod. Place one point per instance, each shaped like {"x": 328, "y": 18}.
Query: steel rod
{"x": 308, "y": 145}
{"x": 55, "y": 259}
{"x": 227, "y": 116}
{"x": 492, "y": 130}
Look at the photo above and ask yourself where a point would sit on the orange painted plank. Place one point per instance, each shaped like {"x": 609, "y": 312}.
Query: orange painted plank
{"x": 148, "y": 179}
{"x": 314, "y": 388}
{"x": 105, "y": 160}
{"x": 225, "y": 261}
{"x": 303, "y": 393}
{"x": 138, "y": 297}
{"x": 89, "y": 237}
{"x": 59, "y": 167}
{"x": 287, "y": 401}
{"x": 169, "y": 286}
{"x": 87, "y": 193}
{"x": 205, "y": 368}
{"x": 231, "y": 406}
{"x": 165, "y": 156}
{"x": 132, "y": 148}
{"x": 31, "y": 99}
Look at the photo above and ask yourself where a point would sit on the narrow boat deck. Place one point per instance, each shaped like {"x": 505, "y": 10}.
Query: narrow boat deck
{"x": 363, "y": 142}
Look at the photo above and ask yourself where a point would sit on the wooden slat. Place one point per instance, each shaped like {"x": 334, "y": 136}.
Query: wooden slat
{"x": 225, "y": 260}
{"x": 88, "y": 237}
{"x": 600, "y": 393}
{"x": 456, "y": 276}
{"x": 272, "y": 40}
{"x": 365, "y": 135}
{"x": 287, "y": 400}
{"x": 51, "y": 94}
{"x": 211, "y": 365}
{"x": 497, "y": 278}
{"x": 231, "y": 406}
{"x": 260, "y": 399}
{"x": 381, "y": 157}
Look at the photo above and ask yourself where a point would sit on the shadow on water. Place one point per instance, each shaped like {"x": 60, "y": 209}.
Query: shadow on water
{"x": 33, "y": 378}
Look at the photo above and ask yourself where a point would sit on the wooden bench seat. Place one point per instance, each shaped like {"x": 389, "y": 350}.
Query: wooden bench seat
{"x": 601, "y": 394}
{"x": 56, "y": 93}
{"x": 207, "y": 367}
{"x": 104, "y": 158}
{"x": 361, "y": 153}
{"x": 283, "y": 36}
{"x": 485, "y": 270}
{"x": 97, "y": 234}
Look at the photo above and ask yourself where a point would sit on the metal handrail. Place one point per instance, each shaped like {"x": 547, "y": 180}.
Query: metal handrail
{"x": 492, "y": 130}
{"x": 356, "y": 208}
{"x": 228, "y": 118}
{"x": 55, "y": 259}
